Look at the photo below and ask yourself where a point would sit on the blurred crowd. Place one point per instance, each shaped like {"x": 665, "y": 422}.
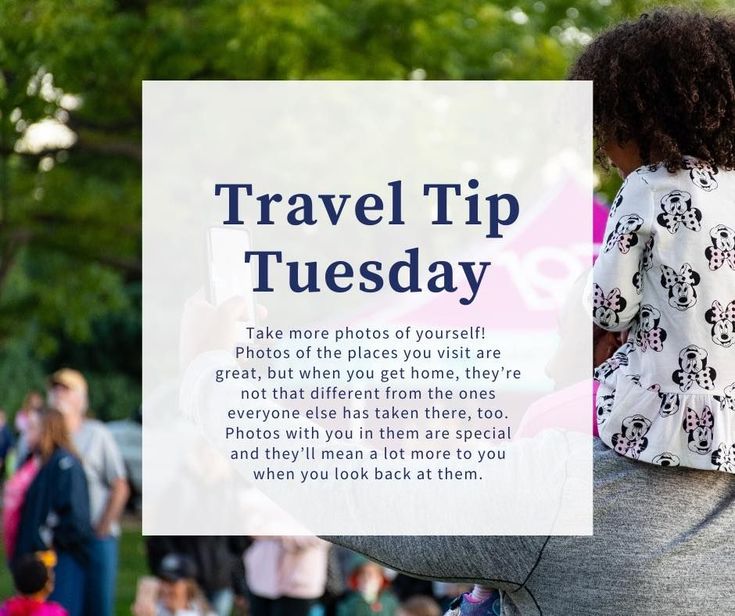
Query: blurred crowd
{"x": 278, "y": 576}
{"x": 65, "y": 491}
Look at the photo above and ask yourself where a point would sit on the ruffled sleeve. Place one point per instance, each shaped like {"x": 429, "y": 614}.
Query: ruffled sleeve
{"x": 617, "y": 273}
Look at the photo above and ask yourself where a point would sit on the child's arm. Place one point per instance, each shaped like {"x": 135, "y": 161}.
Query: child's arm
{"x": 604, "y": 344}
{"x": 618, "y": 272}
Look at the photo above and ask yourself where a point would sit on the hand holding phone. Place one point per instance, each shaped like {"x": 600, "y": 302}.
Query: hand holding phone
{"x": 229, "y": 275}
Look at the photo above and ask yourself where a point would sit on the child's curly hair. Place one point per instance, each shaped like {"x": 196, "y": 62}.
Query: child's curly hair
{"x": 665, "y": 82}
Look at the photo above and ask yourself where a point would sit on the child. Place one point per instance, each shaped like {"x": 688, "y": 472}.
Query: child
{"x": 664, "y": 115}
{"x": 33, "y": 578}
{"x": 369, "y": 596}
{"x": 174, "y": 592}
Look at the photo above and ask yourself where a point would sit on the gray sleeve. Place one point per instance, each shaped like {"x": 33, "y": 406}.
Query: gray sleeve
{"x": 113, "y": 465}
{"x": 504, "y": 562}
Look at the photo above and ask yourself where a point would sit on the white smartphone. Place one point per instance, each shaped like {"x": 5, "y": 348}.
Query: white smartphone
{"x": 229, "y": 275}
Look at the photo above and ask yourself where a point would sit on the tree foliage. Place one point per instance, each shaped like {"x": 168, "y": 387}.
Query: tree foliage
{"x": 70, "y": 114}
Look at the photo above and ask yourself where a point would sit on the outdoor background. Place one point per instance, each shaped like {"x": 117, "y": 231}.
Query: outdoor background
{"x": 70, "y": 142}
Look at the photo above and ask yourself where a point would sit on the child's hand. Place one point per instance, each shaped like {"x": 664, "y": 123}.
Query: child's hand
{"x": 605, "y": 343}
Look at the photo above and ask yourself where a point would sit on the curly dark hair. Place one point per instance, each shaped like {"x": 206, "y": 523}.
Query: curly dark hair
{"x": 665, "y": 82}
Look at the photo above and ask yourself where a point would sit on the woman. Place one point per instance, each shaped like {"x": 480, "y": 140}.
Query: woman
{"x": 55, "y": 512}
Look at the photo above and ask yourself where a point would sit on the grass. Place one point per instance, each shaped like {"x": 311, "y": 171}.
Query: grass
{"x": 132, "y": 566}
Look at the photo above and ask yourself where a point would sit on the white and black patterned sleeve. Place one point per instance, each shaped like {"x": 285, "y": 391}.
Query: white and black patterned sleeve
{"x": 624, "y": 256}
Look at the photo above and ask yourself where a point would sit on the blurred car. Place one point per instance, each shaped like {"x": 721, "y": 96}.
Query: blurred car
{"x": 128, "y": 436}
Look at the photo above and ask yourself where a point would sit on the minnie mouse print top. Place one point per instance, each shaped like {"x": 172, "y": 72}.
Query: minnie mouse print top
{"x": 666, "y": 273}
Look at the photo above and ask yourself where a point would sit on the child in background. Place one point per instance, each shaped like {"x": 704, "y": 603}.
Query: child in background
{"x": 370, "y": 596}
{"x": 34, "y": 581}
{"x": 174, "y": 592}
{"x": 664, "y": 115}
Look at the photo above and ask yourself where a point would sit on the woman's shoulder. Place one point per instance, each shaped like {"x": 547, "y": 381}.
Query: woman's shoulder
{"x": 63, "y": 460}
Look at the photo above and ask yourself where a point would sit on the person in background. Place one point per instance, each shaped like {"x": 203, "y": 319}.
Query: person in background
{"x": 419, "y": 605}
{"x": 370, "y": 595}
{"x": 174, "y": 592}
{"x": 32, "y": 403}
{"x": 6, "y": 442}
{"x": 336, "y": 583}
{"x": 15, "y": 489}
{"x": 240, "y": 607}
{"x": 108, "y": 486}
{"x": 405, "y": 587}
{"x": 55, "y": 513}
{"x": 285, "y": 575}
{"x": 215, "y": 559}
{"x": 33, "y": 578}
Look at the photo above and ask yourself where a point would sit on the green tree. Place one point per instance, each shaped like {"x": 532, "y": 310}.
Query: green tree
{"x": 72, "y": 69}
